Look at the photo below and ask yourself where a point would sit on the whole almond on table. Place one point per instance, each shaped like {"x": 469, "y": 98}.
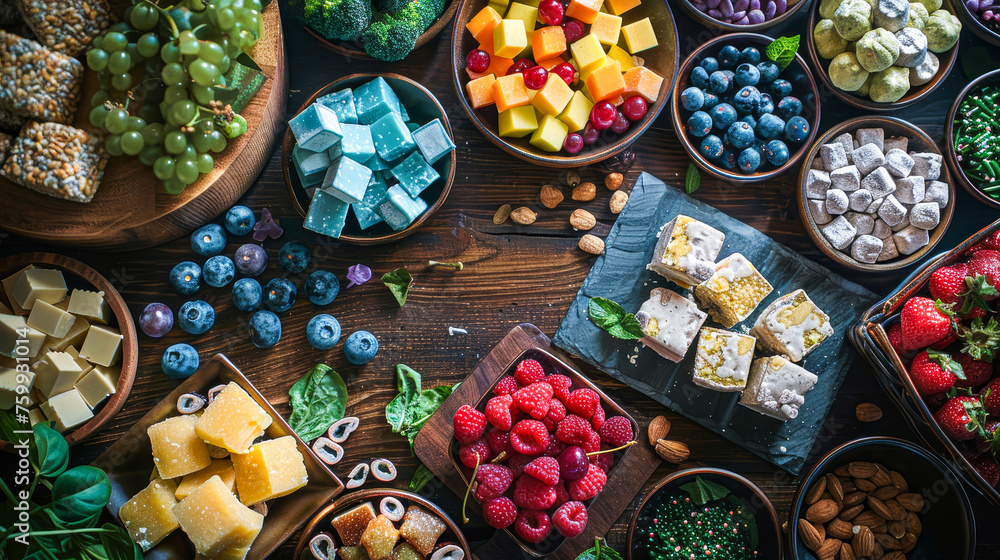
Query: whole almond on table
{"x": 573, "y": 178}
{"x": 658, "y": 428}
{"x": 582, "y": 220}
{"x": 868, "y": 412}
{"x": 672, "y": 451}
{"x": 523, "y": 215}
{"x": 550, "y": 196}
{"x": 618, "y": 201}
{"x": 502, "y": 214}
{"x": 584, "y": 192}
{"x": 613, "y": 181}
{"x": 591, "y": 244}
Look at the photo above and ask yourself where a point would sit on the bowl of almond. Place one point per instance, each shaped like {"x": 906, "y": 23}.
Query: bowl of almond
{"x": 881, "y": 497}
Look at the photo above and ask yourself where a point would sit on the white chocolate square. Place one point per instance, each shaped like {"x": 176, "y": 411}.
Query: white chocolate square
{"x": 57, "y": 373}
{"x": 103, "y": 346}
{"x": 68, "y": 410}
{"x": 96, "y": 386}
{"x": 10, "y": 386}
{"x": 8, "y": 288}
{"x": 50, "y": 319}
{"x": 39, "y": 283}
{"x": 91, "y": 305}
{"x": 15, "y": 332}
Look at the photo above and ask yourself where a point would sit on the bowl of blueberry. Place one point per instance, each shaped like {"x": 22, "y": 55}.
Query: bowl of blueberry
{"x": 741, "y": 115}
{"x": 742, "y": 15}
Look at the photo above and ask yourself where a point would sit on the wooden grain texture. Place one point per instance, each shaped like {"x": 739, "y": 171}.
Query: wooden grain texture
{"x": 513, "y": 274}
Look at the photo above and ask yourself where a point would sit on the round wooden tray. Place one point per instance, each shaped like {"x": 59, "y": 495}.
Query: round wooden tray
{"x": 131, "y": 210}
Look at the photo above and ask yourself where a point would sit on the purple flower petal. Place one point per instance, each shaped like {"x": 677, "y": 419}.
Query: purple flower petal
{"x": 358, "y": 274}
{"x": 266, "y": 227}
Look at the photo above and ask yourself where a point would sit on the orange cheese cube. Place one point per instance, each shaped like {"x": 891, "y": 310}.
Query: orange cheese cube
{"x": 619, "y": 7}
{"x": 606, "y": 83}
{"x": 607, "y": 28}
{"x": 509, "y": 38}
{"x": 480, "y": 91}
{"x": 643, "y": 81}
{"x": 551, "y": 63}
{"x": 509, "y": 92}
{"x": 584, "y": 10}
{"x": 482, "y": 25}
{"x": 553, "y": 97}
{"x": 548, "y": 43}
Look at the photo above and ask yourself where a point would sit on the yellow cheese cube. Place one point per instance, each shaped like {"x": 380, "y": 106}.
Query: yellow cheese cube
{"x": 50, "y": 320}
{"x": 271, "y": 469}
{"x": 8, "y": 288}
{"x": 92, "y": 305}
{"x": 639, "y": 36}
{"x": 57, "y": 373}
{"x": 149, "y": 515}
{"x": 177, "y": 449}
{"x": 532, "y": 3}
{"x": 550, "y": 135}
{"x": 233, "y": 420}
{"x": 577, "y": 112}
{"x": 584, "y": 10}
{"x": 219, "y": 526}
{"x": 588, "y": 53}
{"x": 103, "y": 346}
{"x": 14, "y": 384}
{"x": 607, "y": 28}
{"x": 68, "y": 410}
{"x": 95, "y": 386}
{"x": 223, "y": 468}
{"x": 527, "y": 14}
{"x": 39, "y": 283}
{"x": 553, "y": 97}
{"x": 619, "y": 7}
{"x": 517, "y": 121}
{"x": 624, "y": 60}
{"x": 509, "y": 38}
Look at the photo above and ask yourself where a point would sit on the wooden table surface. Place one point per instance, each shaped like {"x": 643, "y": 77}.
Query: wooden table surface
{"x": 513, "y": 274}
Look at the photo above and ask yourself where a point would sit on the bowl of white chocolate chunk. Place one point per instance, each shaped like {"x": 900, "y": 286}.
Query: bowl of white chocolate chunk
{"x": 874, "y": 194}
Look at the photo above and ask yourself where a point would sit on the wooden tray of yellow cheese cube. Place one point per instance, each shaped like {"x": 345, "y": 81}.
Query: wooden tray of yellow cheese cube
{"x": 129, "y": 464}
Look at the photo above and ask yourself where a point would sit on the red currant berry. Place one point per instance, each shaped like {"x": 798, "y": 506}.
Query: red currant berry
{"x": 573, "y": 30}
{"x": 621, "y": 123}
{"x": 478, "y": 60}
{"x": 535, "y": 77}
{"x": 573, "y": 143}
{"x": 551, "y": 11}
{"x": 603, "y": 115}
{"x": 590, "y": 134}
{"x": 634, "y": 108}
{"x": 520, "y": 66}
{"x": 566, "y": 72}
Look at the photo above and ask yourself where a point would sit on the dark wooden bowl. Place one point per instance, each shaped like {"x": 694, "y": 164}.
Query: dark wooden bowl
{"x": 949, "y": 526}
{"x": 321, "y": 521}
{"x": 79, "y": 275}
{"x": 949, "y": 140}
{"x": 918, "y": 141}
{"x": 803, "y": 85}
{"x": 974, "y": 24}
{"x": 708, "y": 21}
{"x": 352, "y": 49}
{"x": 770, "y": 541}
{"x": 946, "y": 60}
{"x": 661, "y": 59}
{"x": 421, "y": 106}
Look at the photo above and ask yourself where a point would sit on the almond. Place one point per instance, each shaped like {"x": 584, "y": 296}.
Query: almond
{"x": 865, "y": 485}
{"x": 582, "y": 220}
{"x": 842, "y": 470}
{"x": 898, "y": 481}
{"x": 550, "y": 196}
{"x": 851, "y": 513}
{"x": 613, "y": 181}
{"x": 894, "y": 555}
{"x": 840, "y": 529}
{"x": 834, "y": 487}
{"x": 822, "y": 511}
{"x": 886, "y": 492}
{"x": 861, "y": 469}
{"x": 908, "y": 542}
{"x": 911, "y": 502}
{"x": 887, "y": 541}
{"x": 523, "y": 215}
{"x": 868, "y": 519}
{"x": 572, "y": 178}
{"x": 868, "y": 412}
{"x": 672, "y": 451}
{"x": 816, "y": 492}
{"x": 846, "y": 552}
{"x": 658, "y": 428}
{"x": 810, "y": 536}
{"x": 618, "y": 201}
{"x": 863, "y": 541}
{"x": 502, "y": 214}
{"x": 584, "y": 192}
{"x": 896, "y": 511}
{"x": 913, "y": 524}
{"x": 881, "y": 477}
{"x": 829, "y": 549}
{"x": 896, "y": 528}
{"x": 591, "y": 244}
{"x": 879, "y": 507}
{"x": 854, "y": 498}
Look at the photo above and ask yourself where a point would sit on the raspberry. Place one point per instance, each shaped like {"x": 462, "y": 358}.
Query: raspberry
{"x": 562, "y": 496}
{"x": 529, "y": 437}
{"x": 528, "y": 372}
{"x": 469, "y": 424}
{"x": 590, "y": 485}
{"x": 506, "y": 386}
{"x": 467, "y": 453}
{"x": 603, "y": 461}
{"x": 593, "y": 442}
{"x": 500, "y": 513}
{"x": 533, "y": 526}
{"x": 560, "y": 386}
{"x": 570, "y": 519}
{"x": 555, "y": 448}
{"x": 517, "y": 463}
{"x": 583, "y": 402}
{"x": 493, "y": 481}
{"x": 498, "y": 412}
{"x": 573, "y": 430}
{"x": 534, "y": 399}
{"x": 545, "y": 469}
{"x": 531, "y": 493}
{"x": 557, "y": 412}
{"x": 598, "y": 419}
{"x": 617, "y": 431}
{"x": 499, "y": 441}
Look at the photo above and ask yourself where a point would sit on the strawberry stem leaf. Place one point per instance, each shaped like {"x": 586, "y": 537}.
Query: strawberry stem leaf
{"x": 982, "y": 339}
{"x": 945, "y": 362}
{"x": 975, "y": 296}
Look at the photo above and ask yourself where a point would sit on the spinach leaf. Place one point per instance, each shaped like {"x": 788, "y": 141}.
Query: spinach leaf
{"x": 692, "y": 180}
{"x": 703, "y": 491}
{"x": 8, "y": 425}
{"x": 395, "y": 413}
{"x": 411, "y": 408}
{"x": 782, "y": 50}
{"x": 421, "y": 477}
{"x": 78, "y": 497}
{"x": 51, "y": 451}
{"x": 398, "y": 281}
{"x": 407, "y": 381}
{"x": 600, "y": 551}
{"x": 318, "y": 400}
{"x": 430, "y": 401}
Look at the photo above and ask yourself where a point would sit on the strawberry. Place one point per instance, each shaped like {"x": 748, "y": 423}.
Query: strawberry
{"x": 924, "y": 322}
{"x": 570, "y": 519}
{"x": 987, "y": 263}
{"x": 991, "y": 397}
{"x": 469, "y": 424}
{"x": 977, "y": 372}
{"x": 529, "y": 437}
{"x": 534, "y": 399}
{"x": 947, "y": 341}
{"x": 978, "y": 290}
{"x": 506, "y": 386}
{"x": 583, "y": 402}
{"x": 574, "y": 430}
{"x": 948, "y": 283}
{"x": 617, "y": 431}
{"x": 557, "y": 411}
{"x": 560, "y": 386}
{"x": 493, "y": 480}
{"x": 895, "y": 336}
{"x": 498, "y": 412}
{"x": 989, "y": 439}
{"x": 981, "y": 339}
{"x": 531, "y": 493}
{"x": 545, "y": 469}
{"x": 468, "y": 452}
{"x": 992, "y": 241}
{"x": 528, "y": 372}
{"x": 589, "y": 486}
{"x": 934, "y": 372}
{"x": 533, "y": 526}
{"x": 988, "y": 468}
{"x": 955, "y": 417}
{"x": 500, "y": 513}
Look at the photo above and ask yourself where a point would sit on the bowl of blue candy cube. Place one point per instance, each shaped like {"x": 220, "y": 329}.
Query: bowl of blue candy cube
{"x": 368, "y": 158}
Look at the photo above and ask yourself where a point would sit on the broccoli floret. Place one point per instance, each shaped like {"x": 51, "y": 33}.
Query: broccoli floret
{"x": 423, "y": 12}
{"x": 338, "y": 19}
{"x": 390, "y": 5}
{"x": 390, "y": 39}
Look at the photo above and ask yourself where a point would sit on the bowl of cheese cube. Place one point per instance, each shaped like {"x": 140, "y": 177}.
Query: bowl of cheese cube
{"x": 564, "y": 86}
{"x": 369, "y": 158}
{"x": 68, "y": 348}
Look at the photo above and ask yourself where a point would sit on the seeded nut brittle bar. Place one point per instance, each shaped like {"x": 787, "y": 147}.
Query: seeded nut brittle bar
{"x": 57, "y": 160}
{"x": 36, "y": 82}
{"x": 67, "y": 26}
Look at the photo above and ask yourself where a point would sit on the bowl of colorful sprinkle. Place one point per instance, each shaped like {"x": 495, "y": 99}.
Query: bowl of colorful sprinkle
{"x": 972, "y": 138}
{"x": 699, "y": 512}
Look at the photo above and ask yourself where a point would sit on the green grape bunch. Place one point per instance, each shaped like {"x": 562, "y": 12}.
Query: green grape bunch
{"x": 159, "y": 70}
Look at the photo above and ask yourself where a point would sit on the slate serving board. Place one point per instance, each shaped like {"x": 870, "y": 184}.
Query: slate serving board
{"x": 620, "y": 275}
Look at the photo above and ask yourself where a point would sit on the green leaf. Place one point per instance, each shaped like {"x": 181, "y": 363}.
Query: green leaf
{"x": 421, "y": 477}
{"x": 408, "y": 381}
{"x": 945, "y": 362}
{"x": 703, "y": 491}
{"x": 51, "y": 451}
{"x": 8, "y": 425}
{"x": 430, "y": 400}
{"x": 78, "y": 497}
{"x": 118, "y": 544}
{"x": 692, "y": 180}
{"x": 395, "y": 413}
{"x": 611, "y": 317}
{"x": 628, "y": 329}
{"x": 411, "y": 408}
{"x": 318, "y": 400}
{"x": 981, "y": 339}
{"x": 782, "y": 50}
{"x": 975, "y": 296}
{"x": 600, "y": 551}
{"x": 398, "y": 281}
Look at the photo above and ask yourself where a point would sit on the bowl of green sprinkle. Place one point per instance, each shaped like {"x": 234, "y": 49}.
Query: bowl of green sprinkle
{"x": 696, "y": 512}
{"x": 972, "y": 138}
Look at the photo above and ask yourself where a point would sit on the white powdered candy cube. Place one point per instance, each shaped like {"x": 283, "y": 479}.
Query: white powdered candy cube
{"x": 868, "y": 157}
{"x": 879, "y": 182}
{"x": 910, "y": 190}
{"x": 834, "y": 156}
{"x": 895, "y": 143}
{"x": 910, "y": 240}
{"x": 889, "y": 250}
{"x": 817, "y": 183}
{"x": 891, "y": 211}
{"x": 817, "y": 163}
{"x": 860, "y": 200}
{"x": 817, "y": 212}
{"x": 926, "y": 215}
{"x": 898, "y": 162}
{"x": 873, "y": 207}
{"x": 902, "y": 225}
{"x": 847, "y": 178}
{"x": 927, "y": 165}
{"x": 881, "y": 229}
{"x": 840, "y": 233}
{"x": 848, "y": 142}
{"x": 936, "y": 191}
{"x": 836, "y": 202}
{"x": 870, "y": 136}
{"x": 866, "y": 249}
{"x": 864, "y": 223}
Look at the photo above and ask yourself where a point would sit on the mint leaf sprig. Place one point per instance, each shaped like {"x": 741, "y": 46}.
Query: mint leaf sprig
{"x": 612, "y": 317}
{"x": 782, "y": 50}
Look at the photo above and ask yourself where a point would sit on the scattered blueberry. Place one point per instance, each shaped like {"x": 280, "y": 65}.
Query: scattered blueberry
{"x": 323, "y": 331}
{"x": 709, "y": 64}
{"x": 185, "y": 278}
{"x": 180, "y": 361}
{"x": 247, "y": 294}
{"x": 279, "y": 295}
{"x": 746, "y": 100}
{"x": 765, "y": 107}
{"x": 294, "y": 256}
{"x": 797, "y": 129}
{"x": 746, "y": 75}
{"x": 240, "y": 220}
{"x": 156, "y": 320}
{"x": 749, "y": 160}
{"x": 770, "y": 126}
{"x": 740, "y": 135}
{"x": 781, "y": 87}
{"x": 251, "y": 260}
{"x": 699, "y": 77}
{"x": 723, "y": 115}
{"x": 219, "y": 271}
{"x": 208, "y": 240}
{"x": 769, "y": 71}
{"x": 322, "y": 287}
{"x": 750, "y": 55}
{"x": 196, "y": 316}
{"x": 692, "y": 98}
{"x": 789, "y": 107}
{"x": 718, "y": 82}
{"x": 711, "y": 147}
{"x": 265, "y": 329}
{"x": 360, "y": 347}
{"x": 777, "y": 153}
{"x": 749, "y": 120}
{"x": 699, "y": 124}
{"x": 729, "y": 56}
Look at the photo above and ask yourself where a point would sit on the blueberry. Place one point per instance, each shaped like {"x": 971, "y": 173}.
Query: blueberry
{"x": 360, "y": 347}
{"x": 294, "y": 256}
{"x": 777, "y": 153}
{"x": 718, "y": 82}
{"x": 247, "y": 294}
{"x": 185, "y": 278}
{"x": 219, "y": 271}
{"x": 692, "y": 99}
{"x": 323, "y": 331}
{"x": 750, "y": 55}
{"x": 711, "y": 100}
{"x": 749, "y": 160}
{"x": 728, "y": 159}
{"x": 746, "y": 100}
{"x": 699, "y": 124}
{"x": 765, "y": 107}
{"x": 770, "y": 126}
{"x": 749, "y": 120}
{"x": 740, "y": 135}
{"x": 789, "y": 107}
{"x": 746, "y": 75}
{"x": 279, "y": 295}
{"x": 180, "y": 361}
{"x": 265, "y": 329}
{"x": 711, "y": 147}
{"x": 709, "y": 64}
{"x": 699, "y": 77}
{"x": 723, "y": 115}
{"x": 796, "y": 129}
{"x": 769, "y": 71}
{"x": 322, "y": 287}
{"x": 239, "y": 220}
{"x": 208, "y": 240}
{"x": 729, "y": 56}
{"x": 251, "y": 260}
{"x": 781, "y": 88}
{"x": 196, "y": 317}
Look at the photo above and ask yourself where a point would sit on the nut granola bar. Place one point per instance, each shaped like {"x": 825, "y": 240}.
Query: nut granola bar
{"x": 36, "y": 82}
{"x": 67, "y": 26}
{"x": 57, "y": 160}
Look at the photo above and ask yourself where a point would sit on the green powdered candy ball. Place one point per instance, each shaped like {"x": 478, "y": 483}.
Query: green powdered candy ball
{"x": 877, "y": 50}
{"x": 829, "y": 43}
{"x": 846, "y": 72}
{"x": 853, "y": 19}
{"x": 918, "y": 15}
{"x": 890, "y": 85}
{"x": 942, "y": 30}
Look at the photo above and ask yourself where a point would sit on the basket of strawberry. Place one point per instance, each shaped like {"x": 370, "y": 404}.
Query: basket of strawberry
{"x": 935, "y": 343}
